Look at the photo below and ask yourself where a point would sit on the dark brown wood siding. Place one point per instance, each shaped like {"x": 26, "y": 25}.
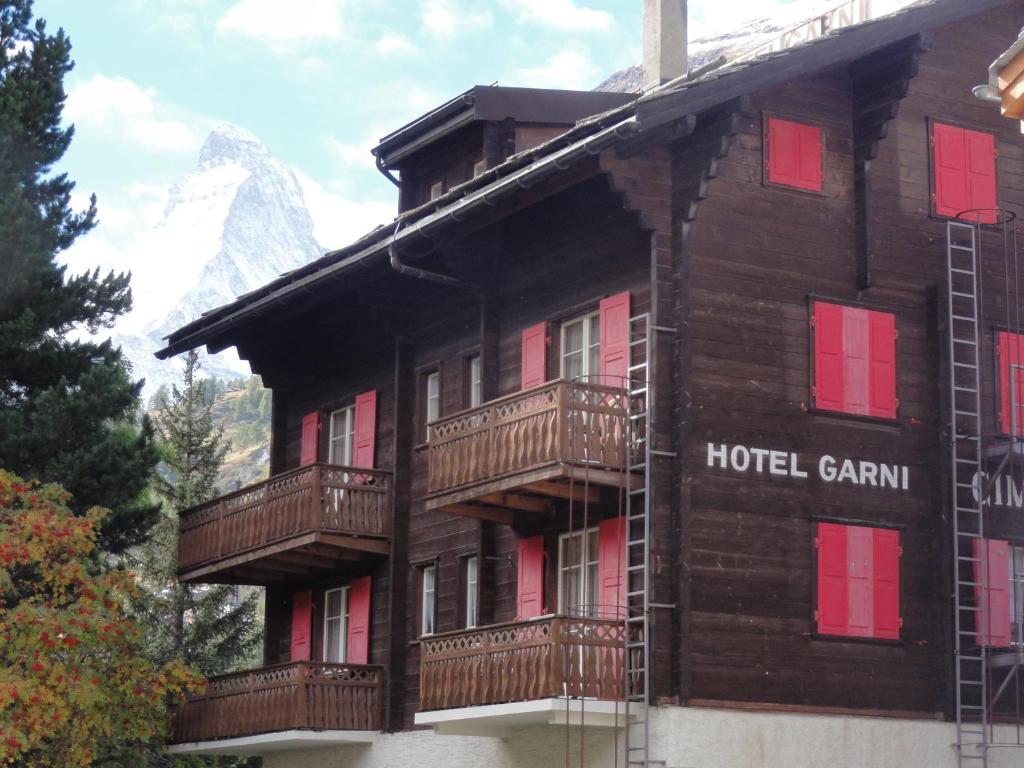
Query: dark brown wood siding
{"x": 757, "y": 255}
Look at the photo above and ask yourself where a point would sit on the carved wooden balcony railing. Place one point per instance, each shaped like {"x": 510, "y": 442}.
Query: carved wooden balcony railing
{"x": 301, "y": 696}
{"x": 292, "y": 525}
{"x": 531, "y": 442}
{"x": 549, "y": 657}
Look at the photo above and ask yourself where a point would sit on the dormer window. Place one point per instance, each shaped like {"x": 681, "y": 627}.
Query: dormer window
{"x": 479, "y": 167}
{"x": 436, "y": 190}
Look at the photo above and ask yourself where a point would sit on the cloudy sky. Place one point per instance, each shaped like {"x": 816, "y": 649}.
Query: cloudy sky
{"x": 318, "y": 81}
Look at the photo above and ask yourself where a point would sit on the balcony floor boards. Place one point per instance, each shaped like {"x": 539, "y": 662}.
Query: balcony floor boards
{"x": 295, "y": 557}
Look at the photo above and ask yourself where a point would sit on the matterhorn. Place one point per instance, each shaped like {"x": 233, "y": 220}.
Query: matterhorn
{"x": 237, "y": 222}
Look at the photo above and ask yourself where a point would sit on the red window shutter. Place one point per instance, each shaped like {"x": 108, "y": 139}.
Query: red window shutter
{"x": 950, "y": 163}
{"x": 794, "y": 154}
{"x": 886, "y": 562}
{"x": 310, "y": 446}
{"x": 833, "y": 614}
{"x": 530, "y": 595}
{"x": 535, "y": 356}
{"x": 860, "y": 581}
{"x": 882, "y": 333}
{"x": 366, "y": 430}
{"x": 611, "y": 567}
{"x": 993, "y": 616}
{"x": 783, "y": 152}
{"x": 812, "y": 174}
{"x": 302, "y": 625}
{"x": 358, "y": 643}
{"x": 1010, "y": 347}
{"x": 614, "y": 331}
{"x": 856, "y": 366}
{"x": 980, "y": 153}
{"x": 828, "y": 356}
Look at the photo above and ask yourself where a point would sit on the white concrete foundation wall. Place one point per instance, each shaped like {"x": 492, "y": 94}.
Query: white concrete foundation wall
{"x": 685, "y": 737}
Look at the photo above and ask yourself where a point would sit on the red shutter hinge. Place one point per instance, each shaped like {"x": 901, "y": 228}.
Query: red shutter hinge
{"x": 817, "y": 543}
{"x": 897, "y": 401}
{"x": 812, "y": 320}
{"x": 899, "y": 622}
{"x": 995, "y": 152}
{"x": 896, "y": 333}
{"x": 817, "y": 615}
{"x": 899, "y": 551}
{"x": 931, "y": 140}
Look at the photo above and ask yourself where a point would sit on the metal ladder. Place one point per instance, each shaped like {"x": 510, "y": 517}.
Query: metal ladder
{"x": 638, "y": 537}
{"x": 969, "y": 493}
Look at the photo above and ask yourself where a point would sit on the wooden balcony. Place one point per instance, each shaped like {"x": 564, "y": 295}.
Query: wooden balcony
{"x": 292, "y": 526}
{"x": 288, "y": 697}
{"x": 518, "y": 453}
{"x": 545, "y": 658}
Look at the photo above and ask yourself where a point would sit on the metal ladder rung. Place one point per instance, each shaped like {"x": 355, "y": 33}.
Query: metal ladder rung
{"x": 962, "y": 271}
{"x": 968, "y": 248}
{"x": 966, "y": 318}
{"x": 962, "y": 295}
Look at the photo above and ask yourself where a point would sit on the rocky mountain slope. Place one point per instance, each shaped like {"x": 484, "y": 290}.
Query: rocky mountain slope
{"x": 235, "y": 223}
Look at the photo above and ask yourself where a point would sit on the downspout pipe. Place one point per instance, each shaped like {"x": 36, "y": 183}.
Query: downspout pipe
{"x": 395, "y": 262}
{"x": 387, "y": 174}
{"x": 990, "y": 90}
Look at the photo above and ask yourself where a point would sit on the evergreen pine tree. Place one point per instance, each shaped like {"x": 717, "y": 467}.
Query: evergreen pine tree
{"x": 208, "y": 627}
{"x": 212, "y": 628}
{"x": 67, "y": 405}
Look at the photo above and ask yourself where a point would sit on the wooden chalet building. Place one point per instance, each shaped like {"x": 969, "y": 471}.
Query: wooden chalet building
{"x": 675, "y": 428}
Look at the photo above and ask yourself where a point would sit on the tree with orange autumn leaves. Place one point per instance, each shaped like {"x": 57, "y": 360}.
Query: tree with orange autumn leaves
{"x": 73, "y": 684}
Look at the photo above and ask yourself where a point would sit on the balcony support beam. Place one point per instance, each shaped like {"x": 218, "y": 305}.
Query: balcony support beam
{"x": 518, "y": 502}
{"x": 481, "y": 512}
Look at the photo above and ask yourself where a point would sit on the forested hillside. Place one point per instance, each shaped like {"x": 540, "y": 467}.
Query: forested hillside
{"x": 242, "y": 407}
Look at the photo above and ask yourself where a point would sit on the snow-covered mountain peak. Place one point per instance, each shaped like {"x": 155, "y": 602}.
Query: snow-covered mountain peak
{"x": 232, "y": 144}
{"x": 236, "y": 222}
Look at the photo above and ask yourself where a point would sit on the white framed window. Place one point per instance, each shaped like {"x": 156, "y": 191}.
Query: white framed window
{"x": 581, "y": 347}
{"x": 472, "y": 581}
{"x": 433, "y": 398}
{"x": 428, "y": 599}
{"x": 475, "y": 382}
{"x": 436, "y": 190}
{"x": 336, "y": 625}
{"x": 479, "y": 167}
{"x": 577, "y": 573}
{"x": 343, "y": 435}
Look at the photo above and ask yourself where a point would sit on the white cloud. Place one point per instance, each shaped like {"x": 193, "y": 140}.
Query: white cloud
{"x": 444, "y": 18}
{"x": 568, "y": 69}
{"x": 561, "y": 14}
{"x": 352, "y": 154}
{"x": 337, "y": 219}
{"x": 127, "y": 112}
{"x": 280, "y": 21}
{"x": 393, "y": 43}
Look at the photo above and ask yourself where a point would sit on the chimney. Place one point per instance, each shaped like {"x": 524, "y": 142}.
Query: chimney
{"x": 664, "y": 41}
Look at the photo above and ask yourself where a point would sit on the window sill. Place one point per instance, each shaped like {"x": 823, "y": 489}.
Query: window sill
{"x": 880, "y": 641}
{"x": 840, "y": 417}
{"x": 818, "y": 193}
